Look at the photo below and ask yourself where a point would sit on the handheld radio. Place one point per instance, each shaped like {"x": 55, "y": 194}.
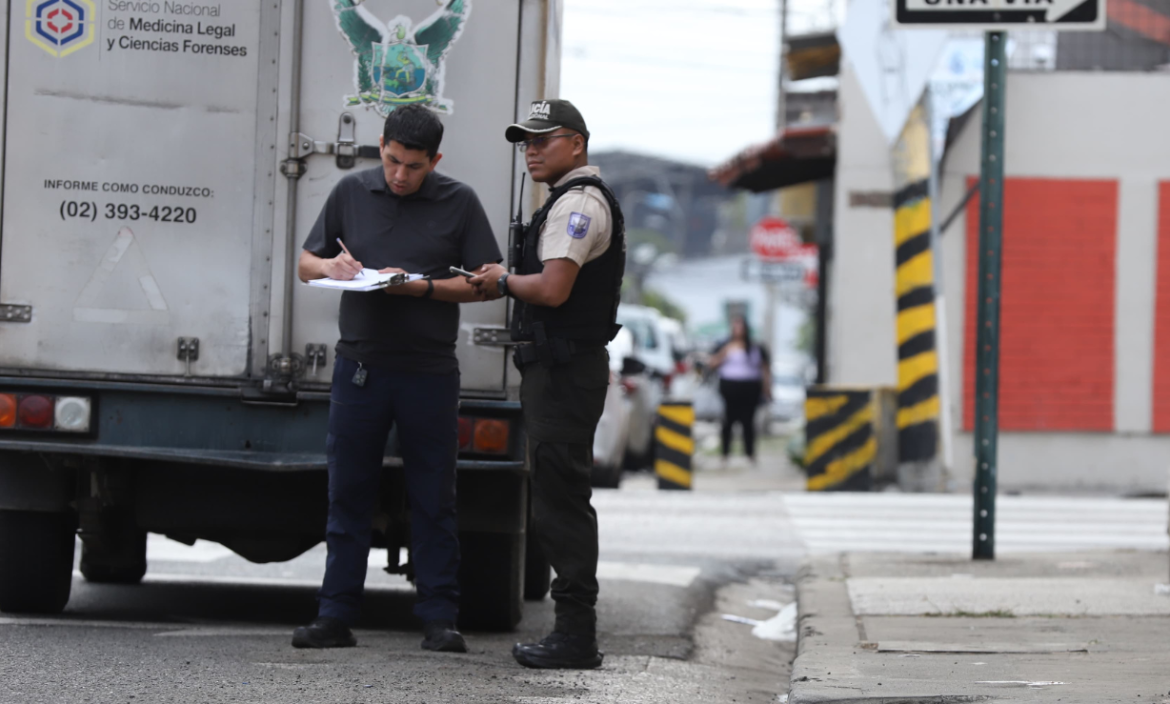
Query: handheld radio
{"x": 516, "y": 231}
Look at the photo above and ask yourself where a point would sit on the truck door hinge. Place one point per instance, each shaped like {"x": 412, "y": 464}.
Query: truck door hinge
{"x": 13, "y": 313}
{"x": 346, "y": 150}
{"x": 188, "y": 351}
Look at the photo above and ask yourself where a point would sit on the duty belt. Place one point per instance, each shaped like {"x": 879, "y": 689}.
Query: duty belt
{"x": 555, "y": 351}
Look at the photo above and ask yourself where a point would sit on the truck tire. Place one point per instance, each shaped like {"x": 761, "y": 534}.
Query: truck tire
{"x": 537, "y": 571}
{"x": 36, "y": 561}
{"x": 491, "y": 581}
{"x": 122, "y": 557}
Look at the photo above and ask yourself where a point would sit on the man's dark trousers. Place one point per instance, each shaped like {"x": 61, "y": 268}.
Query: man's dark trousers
{"x": 562, "y": 405}
{"x": 425, "y": 408}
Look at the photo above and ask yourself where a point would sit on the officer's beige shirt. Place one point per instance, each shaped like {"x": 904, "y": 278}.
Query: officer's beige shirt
{"x": 578, "y": 227}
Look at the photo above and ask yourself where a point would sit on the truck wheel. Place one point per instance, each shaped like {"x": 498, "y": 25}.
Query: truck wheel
{"x": 36, "y": 561}
{"x": 121, "y": 559}
{"x": 491, "y": 581}
{"x": 537, "y": 572}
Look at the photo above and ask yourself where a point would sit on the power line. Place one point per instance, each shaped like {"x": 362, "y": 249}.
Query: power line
{"x": 591, "y": 46}
{"x": 673, "y": 8}
{"x": 584, "y": 55}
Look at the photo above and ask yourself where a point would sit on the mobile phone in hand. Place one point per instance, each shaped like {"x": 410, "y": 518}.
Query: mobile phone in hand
{"x": 461, "y": 272}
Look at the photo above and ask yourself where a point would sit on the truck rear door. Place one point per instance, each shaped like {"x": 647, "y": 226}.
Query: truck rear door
{"x": 134, "y": 213}
{"x": 358, "y": 63}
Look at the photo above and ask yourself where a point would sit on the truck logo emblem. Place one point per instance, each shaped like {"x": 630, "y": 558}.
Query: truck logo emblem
{"x": 396, "y": 65}
{"x": 60, "y": 27}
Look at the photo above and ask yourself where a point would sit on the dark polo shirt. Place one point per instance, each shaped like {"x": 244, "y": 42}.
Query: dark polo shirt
{"x": 441, "y": 225}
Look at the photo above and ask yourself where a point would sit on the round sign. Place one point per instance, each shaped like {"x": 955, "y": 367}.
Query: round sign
{"x": 773, "y": 239}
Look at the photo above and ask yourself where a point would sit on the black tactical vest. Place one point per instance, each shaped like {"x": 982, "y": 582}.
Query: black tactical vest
{"x": 590, "y": 313}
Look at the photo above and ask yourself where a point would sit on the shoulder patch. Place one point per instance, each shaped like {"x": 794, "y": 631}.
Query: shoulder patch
{"x": 578, "y": 225}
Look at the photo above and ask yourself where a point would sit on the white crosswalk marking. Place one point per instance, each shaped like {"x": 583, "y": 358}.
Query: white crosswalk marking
{"x": 828, "y": 522}
{"x": 680, "y": 525}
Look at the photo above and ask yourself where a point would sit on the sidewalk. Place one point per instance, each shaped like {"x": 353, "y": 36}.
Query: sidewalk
{"x": 1059, "y": 627}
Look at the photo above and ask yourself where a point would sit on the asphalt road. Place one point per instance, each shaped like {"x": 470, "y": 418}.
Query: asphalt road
{"x": 207, "y": 626}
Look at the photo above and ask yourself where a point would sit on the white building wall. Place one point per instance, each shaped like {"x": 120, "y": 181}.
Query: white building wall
{"x": 1077, "y": 125}
{"x": 861, "y": 334}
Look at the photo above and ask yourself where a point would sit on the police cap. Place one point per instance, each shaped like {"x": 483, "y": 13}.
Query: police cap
{"x": 546, "y": 116}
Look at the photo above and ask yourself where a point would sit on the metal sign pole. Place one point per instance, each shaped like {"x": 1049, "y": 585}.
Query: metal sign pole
{"x": 987, "y": 321}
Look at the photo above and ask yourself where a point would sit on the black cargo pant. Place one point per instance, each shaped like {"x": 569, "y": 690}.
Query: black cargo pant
{"x": 562, "y": 405}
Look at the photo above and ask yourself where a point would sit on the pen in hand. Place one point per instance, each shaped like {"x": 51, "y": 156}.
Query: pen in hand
{"x": 353, "y": 266}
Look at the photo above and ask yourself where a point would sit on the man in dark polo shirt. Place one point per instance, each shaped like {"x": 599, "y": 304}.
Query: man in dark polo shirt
{"x": 396, "y": 365}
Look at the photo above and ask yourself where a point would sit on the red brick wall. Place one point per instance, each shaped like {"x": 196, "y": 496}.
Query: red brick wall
{"x": 1057, "y": 309}
{"x": 1162, "y": 316}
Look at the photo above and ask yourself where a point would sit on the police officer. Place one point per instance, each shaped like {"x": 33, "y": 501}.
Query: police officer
{"x": 569, "y": 263}
{"x": 396, "y": 365}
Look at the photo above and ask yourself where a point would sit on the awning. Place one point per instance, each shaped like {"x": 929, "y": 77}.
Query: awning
{"x": 797, "y": 155}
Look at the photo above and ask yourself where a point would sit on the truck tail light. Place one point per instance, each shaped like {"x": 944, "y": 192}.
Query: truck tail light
{"x": 465, "y": 432}
{"x": 35, "y": 412}
{"x": 71, "y": 414}
{"x": 43, "y": 412}
{"x": 7, "y": 410}
{"x": 491, "y": 436}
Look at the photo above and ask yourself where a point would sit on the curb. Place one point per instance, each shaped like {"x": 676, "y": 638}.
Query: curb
{"x": 829, "y": 639}
{"x": 825, "y": 621}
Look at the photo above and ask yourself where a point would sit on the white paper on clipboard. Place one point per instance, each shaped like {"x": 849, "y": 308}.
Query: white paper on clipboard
{"x": 367, "y": 280}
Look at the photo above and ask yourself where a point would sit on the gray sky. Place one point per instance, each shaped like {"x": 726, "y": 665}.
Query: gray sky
{"x": 692, "y": 80}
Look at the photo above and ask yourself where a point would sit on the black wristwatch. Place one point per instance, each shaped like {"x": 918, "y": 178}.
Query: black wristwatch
{"x": 430, "y": 288}
{"x": 502, "y": 285}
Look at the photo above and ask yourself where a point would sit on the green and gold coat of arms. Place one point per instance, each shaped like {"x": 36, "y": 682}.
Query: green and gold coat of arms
{"x": 395, "y": 65}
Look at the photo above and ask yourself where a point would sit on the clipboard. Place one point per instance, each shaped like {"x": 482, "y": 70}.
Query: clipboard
{"x": 367, "y": 280}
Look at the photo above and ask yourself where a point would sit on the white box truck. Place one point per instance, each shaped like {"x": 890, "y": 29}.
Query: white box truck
{"x": 161, "y": 369}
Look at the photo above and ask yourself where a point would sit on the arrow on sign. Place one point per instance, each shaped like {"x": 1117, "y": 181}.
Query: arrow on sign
{"x": 1002, "y": 13}
{"x": 1060, "y": 8}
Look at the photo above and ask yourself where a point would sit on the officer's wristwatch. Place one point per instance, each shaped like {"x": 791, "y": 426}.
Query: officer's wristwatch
{"x": 502, "y": 285}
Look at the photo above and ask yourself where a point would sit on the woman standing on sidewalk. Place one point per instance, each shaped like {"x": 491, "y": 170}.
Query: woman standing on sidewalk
{"x": 745, "y": 381}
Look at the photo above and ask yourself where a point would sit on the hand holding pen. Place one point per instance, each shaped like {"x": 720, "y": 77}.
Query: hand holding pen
{"x": 343, "y": 267}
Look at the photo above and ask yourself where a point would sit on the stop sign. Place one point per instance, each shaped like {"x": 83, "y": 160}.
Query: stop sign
{"x": 774, "y": 240}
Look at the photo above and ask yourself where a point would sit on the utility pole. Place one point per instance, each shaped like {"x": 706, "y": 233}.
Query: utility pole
{"x": 782, "y": 74}
{"x": 770, "y": 290}
{"x": 987, "y": 335}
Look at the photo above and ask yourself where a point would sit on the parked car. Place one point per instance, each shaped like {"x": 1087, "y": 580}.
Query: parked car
{"x": 707, "y": 402}
{"x": 647, "y": 373}
{"x": 787, "y": 396}
{"x": 612, "y": 436}
{"x": 651, "y": 340}
{"x": 683, "y": 378}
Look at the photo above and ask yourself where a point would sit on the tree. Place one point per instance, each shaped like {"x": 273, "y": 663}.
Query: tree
{"x": 663, "y": 305}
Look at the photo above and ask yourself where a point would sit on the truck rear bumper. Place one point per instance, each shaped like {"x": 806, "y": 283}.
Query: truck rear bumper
{"x": 235, "y": 459}
{"x": 218, "y": 426}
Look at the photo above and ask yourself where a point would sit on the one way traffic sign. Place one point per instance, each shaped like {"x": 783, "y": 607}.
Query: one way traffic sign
{"x": 1003, "y": 14}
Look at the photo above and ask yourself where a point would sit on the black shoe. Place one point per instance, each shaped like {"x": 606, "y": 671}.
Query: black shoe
{"x": 442, "y": 637}
{"x": 560, "y": 651}
{"x": 323, "y": 632}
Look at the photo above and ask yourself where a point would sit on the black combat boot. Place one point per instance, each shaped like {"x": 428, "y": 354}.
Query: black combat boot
{"x": 324, "y": 632}
{"x": 563, "y": 651}
{"x": 442, "y": 637}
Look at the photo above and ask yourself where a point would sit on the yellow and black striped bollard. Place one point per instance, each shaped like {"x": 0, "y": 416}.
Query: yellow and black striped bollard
{"x": 674, "y": 445}
{"x": 840, "y": 443}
